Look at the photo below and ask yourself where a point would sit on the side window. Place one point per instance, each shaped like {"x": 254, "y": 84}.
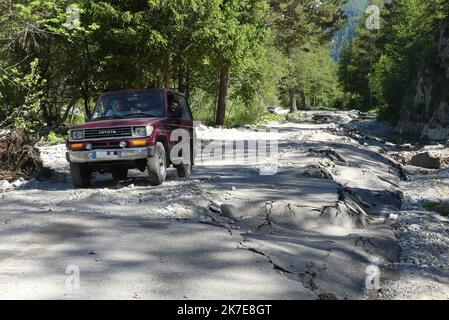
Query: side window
{"x": 173, "y": 103}
{"x": 186, "y": 114}
{"x": 170, "y": 98}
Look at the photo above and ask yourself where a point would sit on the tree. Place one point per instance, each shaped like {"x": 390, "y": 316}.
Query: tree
{"x": 315, "y": 72}
{"x": 411, "y": 51}
{"x": 297, "y": 22}
{"x": 229, "y": 56}
{"x": 380, "y": 67}
{"x": 358, "y": 59}
{"x": 353, "y": 9}
{"x": 230, "y": 31}
{"x": 33, "y": 42}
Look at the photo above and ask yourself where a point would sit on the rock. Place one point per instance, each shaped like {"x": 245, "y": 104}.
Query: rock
{"x": 277, "y": 110}
{"x": 18, "y": 183}
{"x": 327, "y": 296}
{"x": 407, "y": 146}
{"x": 5, "y": 185}
{"x": 436, "y": 133}
{"x": 205, "y": 219}
{"x": 331, "y": 117}
{"x": 215, "y": 207}
{"x": 184, "y": 212}
{"x": 393, "y": 216}
{"x": 229, "y": 211}
{"x": 425, "y": 160}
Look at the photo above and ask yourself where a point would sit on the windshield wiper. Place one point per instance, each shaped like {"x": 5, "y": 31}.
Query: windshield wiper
{"x": 107, "y": 117}
{"x": 140, "y": 114}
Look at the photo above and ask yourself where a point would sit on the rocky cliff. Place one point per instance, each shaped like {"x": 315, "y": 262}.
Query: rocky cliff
{"x": 425, "y": 111}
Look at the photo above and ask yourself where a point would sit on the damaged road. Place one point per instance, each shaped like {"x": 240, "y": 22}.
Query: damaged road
{"x": 309, "y": 232}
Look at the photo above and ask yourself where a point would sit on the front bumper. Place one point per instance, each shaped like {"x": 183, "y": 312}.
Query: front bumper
{"x": 105, "y": 155}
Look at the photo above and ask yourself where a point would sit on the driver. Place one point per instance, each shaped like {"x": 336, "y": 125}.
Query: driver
{"x": 173, "y": 108}
{"x": 118, "y": 107}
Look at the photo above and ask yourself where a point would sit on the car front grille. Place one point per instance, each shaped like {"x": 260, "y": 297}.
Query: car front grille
{"x": 102, "y": 133}
{"x": 105, "y": 145}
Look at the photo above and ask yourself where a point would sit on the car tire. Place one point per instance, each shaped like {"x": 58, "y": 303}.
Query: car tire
{"x": 184, "y": 170}
{"x": 157, "y": 166}
{"x": 119, "y": 174}
{"x": 81, "y": 175}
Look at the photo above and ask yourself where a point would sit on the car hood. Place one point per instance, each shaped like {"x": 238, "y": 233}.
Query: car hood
{"x": 117, "y": 123}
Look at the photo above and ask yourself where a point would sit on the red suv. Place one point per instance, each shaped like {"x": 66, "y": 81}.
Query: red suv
{"x": 133, "y": 129}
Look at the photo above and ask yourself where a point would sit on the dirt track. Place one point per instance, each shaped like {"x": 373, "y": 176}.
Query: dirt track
{"x": 308, "y": 232}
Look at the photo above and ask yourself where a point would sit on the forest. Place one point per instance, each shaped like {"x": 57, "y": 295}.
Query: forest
{"x": 232, "y": 58}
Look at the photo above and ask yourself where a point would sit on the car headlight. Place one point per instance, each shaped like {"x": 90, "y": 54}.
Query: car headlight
{"x": 77, "y": 135}
{"x": 143, "y": 131}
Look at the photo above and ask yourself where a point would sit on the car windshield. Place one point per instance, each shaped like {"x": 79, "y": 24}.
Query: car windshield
{"x": 127, "y": 105}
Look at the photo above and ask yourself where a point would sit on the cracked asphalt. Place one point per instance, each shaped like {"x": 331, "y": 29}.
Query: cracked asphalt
{"x": 294, "y": 235}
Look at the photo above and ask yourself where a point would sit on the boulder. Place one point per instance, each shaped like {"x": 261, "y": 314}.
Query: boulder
{"x": 435, "y": 133}
{"x": 277, "y": 110}
{"x": 425, "y": 160}
{"x": 5, "y": 185}
{"x": 229, "y": 211}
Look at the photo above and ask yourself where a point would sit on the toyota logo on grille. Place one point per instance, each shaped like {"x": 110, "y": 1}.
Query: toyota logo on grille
{"x": 106, "y": 132}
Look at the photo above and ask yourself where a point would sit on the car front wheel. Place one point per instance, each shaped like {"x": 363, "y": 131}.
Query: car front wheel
{"x": 81, "y": 174}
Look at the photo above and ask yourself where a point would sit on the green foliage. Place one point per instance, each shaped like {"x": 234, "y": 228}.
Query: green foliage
{"x": 358, "y": 59}
{"x": 272, "y": 117}
{"x": 316, "y": 73}
{"x": 379, "y": 69}
{"x": 203, "y": 106}
{"x": 408, "y": 46}
{"x": 29, "y": 85}
{"x": 77, "y": 119}
{"x": 301, "y": 26}
{"x": 53, "y": 67}
{"x": 440, "y": 207}
{"x": 55, "y": 139}
{"x": 353, "y": 9}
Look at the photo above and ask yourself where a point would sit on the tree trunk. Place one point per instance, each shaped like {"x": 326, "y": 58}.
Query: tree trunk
{"x": 303, "y": 100}
{"x": 222, "y": 94}
{"x": 292, "y": 103}
{"x": 58, "y": 123}
{"x": 183, "y": 80}
{"x": 87, "y": 112}
{"x": 166, "y": 73}
{"x": 86, "y": 89}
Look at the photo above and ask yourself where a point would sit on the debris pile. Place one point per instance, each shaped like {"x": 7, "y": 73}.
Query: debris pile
{"x": 19, "y": 157}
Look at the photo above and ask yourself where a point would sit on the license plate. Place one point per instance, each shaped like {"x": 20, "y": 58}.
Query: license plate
{"x": 106, "y": 155}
